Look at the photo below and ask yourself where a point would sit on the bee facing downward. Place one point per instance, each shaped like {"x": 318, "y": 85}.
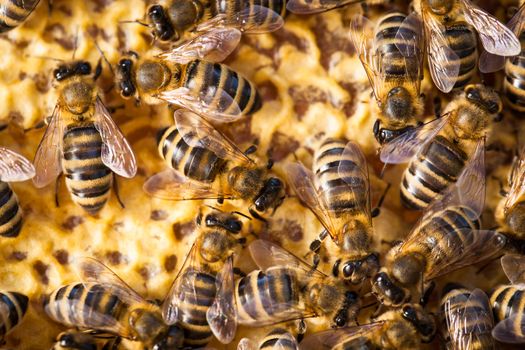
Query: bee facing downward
{"x": 82, "y": 141}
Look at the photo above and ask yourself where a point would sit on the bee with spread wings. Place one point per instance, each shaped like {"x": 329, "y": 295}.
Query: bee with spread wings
{"x": 190, "y": 76}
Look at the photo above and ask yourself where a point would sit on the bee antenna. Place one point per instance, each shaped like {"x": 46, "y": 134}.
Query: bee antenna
{"x": 212, "y": 207}
{"x": 75, "y": 44}
{"x": 104, "y": 57}
{"x": 45, "y": 57}
{"x": 241, "y": 214}
{"x": 136, "y": 21}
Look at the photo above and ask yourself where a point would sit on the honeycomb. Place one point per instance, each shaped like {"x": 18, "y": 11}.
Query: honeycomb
{"x": 313, "y": 86}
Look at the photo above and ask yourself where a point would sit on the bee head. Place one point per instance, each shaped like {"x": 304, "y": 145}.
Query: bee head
{"x": 270, "y": 196}
{"x": 162, "y": 25}
{"x": 226, "y": 221}
{"x": 387, "y": 291}
{"x": 75, "y": 341}
{"x": 484, "y": 97}
{"x": 421, "y": 320}
{"x": 383, "y": 135}
{"x": 125, "y": 77}
{"x": 356, "y": 271}
{"x": 68, "y": 70}
{"x": 171, "y": 340}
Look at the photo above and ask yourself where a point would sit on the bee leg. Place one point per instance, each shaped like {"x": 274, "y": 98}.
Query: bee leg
{"x": 437, "y": 106}
{"x": 57, "y": 183}
{"x": 98, "y": 70}
{"x": 377, "y": 210}
{"x": 256, "y": 215}
{"x": 237, "y": 271}
{"x": 378, "y": 310}
{"x": 426, "y": 292}
{"x": 115, "y": 189}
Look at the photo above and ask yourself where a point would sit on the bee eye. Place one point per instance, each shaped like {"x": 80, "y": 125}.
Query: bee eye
{"x": 473, "y": 94}
{"x": 155, "y": 12}
{"x": 61, "y": 73}
{"x": 340, "y": 321}
{"x": 67, "y": 340}
{"x": 84, "y": 68}
{"x": 409, "y": 313}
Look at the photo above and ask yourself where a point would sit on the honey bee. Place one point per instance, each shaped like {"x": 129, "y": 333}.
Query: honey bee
{"x": 440, "y": 151}
{"x": 188, "y": 76}
{"x": 205, "y": 164}
{"x": 13, "y": 307}
{"x": 393, "y": 64}
{"x": 103, "y": 302}
{"x": 446, "y": 238}
{"x": 178, "y": 17}
{"x": 200, "y": 300}
{"x": 403, "y": 328}
{"x": 13, "y": 167}
{"x": 450, "y": 27}
{"x": 514, "y": 82}
{"x": 277, "y": 339}
{"x": 338, "y": 193}
{"x": 77, "y": 340}
{"x": 83, "y": 141}
{"x": 507, "y": 302}
{"x": 286, "y": 289}
{"x": 13, "y": 13}
{"x": 467, "y": 319}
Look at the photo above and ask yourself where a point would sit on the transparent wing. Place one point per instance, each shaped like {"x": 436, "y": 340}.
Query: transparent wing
{"x": 246, "y": 344}
{"x": 402, "y": 148}
{"x": 213, "y": 45}
{"x": 197, "y": 132}
{"x": 510, "y": 330}
{"x": 222, "y": 314}
{"x": 328, "y": 340}
{"x": 517, "y": 22}
{"x": 286, "y": 341}
{"x": 517, "y": 181}
{"x": 304, "y": 7}
{"x": 171, "y": 185}
{"x": 514, "y": 268}
{"x": 216, "y": 104}
{"x": 495, "y": 36}
{"x": 14, "y": 167}
{"x": 48, "y": 158}
{"x": 489, "y": 63}
{"x": 116, "y": 151}
{"x": 409, "y": 41}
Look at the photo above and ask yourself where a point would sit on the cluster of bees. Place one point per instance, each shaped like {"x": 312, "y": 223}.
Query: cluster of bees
{"x": 444, "y": 179}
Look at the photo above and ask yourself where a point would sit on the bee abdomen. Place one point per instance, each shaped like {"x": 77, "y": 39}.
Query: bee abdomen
{"x": 209, "y": 78}
{"x": 462, "y": 40}
{"x": 514, "y": 82}
{"x": 87, "y": 177}
{"x": 436, "y": 167}
{"x": 10, "y": 212}
{"x": 506, "y": 301}
{"x": 13, "y": 310}
{"x": 194, "y": 162}
{"x": 14, "y": 12}
{"x": 232, "y": 8}
{"x": 280, "y": 336}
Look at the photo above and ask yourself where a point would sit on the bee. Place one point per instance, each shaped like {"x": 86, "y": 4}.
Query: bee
{"x": 205, "y": 164}
{"x": 13, "y": 13}
{"x": 446, "y": 238}
{"x": 395, "y": 76}
{"x": 403, "y": 328}
{"x": 190, "y": 77}
{"x": 450, "y": 27}
{"x": 507, "y": 302}
{"x": 13, "y": 167}
{"x": 178, "y": 17}
{"x": 76, "y": 340}
{"x": 287, "y": 289}
{"x": 82, "y": 141}
{"x": 338, "y": 193}
{"x": 514, "y": 82}
{"x": 200, "y": 300}
{"x": 438, "y": 152}
{"x": 277, "y": 339}
{"x": 103, "y": 302}
{"x": 13, "y": 307}
{"x": 466, "y": 318}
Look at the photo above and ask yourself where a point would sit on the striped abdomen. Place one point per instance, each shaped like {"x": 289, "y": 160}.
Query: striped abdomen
{"x": 14, "y": 12}
{"x": 268, "y": 297}
{"x": 10, "y": 212}
{"x": 437, "y": 166}
{"x": 14, "y": 307}
{"x": 278, "y": 338}
{"x": 196, "y": 296}
{"x": 514, "y": 82}
{"x": 231, "y": 8}
{"x": 206, "y": 78}
{"x": 507, "y": 301}
{"x": 87, "y": 178}
{"x": 194, "y": 162}
{"x": 462, "y": 40}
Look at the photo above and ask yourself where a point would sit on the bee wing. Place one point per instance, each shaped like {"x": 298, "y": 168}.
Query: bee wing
{"x": 222, "y": 314}
{"x": 14, "y": 167}
{"x": 405, "y": 146}
{"x": 489, "y": 63}
{"x": 246, "y": 344}
{"x": 495, "y": 36}
{"x": 171, "y": 185}
{"x": 116, "y": 151}
{"x": 213, "y": 45}
{"x": 253, "y": 19}
{"x": 197, "y": 132}
{"x": 48, "y": 158}
{"x": 303, "y": 183}
{"x": 510, "y": 330}
{"x": 514, "y": 268}
{"x": 517, "y": 22}
{"x": 214, "y": 103}
{"x": 304, "y": 7}
{"x": 331, "y": 338}
{"x": 517, "y": 181}
{"x": 286, "y": 341}
{"x": 409, "y": 42}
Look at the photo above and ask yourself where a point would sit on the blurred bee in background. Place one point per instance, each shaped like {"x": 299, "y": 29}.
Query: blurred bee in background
{"x": 13, "y": 168}
{"x": 287, "y": 289}
{"x": 277, "y": 339}
{"x": 438, "y": 152}
{"x": 188, "y": 76}
{"x": 14, "y": 12}
{"x": 204, "y": 164}
{"x": 201, "y": 300}
{"x": 514, "y": 82}
{"x": 392, "y": 57}
{"x": 450, "y": 27}
{"x": 403, "y": 328}
{"x": 178, "y": 17}
{"x": 77, "y": 340}
{"x": 13, "y": 307}
{"x": 338, "y": 193}
{"x": 507, "y": 302}
{"x": 82, "y": 140}
{"x": 103, "y": 302}
{"x": 466, "y": 319}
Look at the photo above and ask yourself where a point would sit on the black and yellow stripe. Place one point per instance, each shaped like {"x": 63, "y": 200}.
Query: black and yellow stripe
{"x": 10, "y": 212}
{"x": 278, "y": 336}
{"x": 507, "y": 301}
{"x": 514, "y": 82}
{"x": 79, "y": 340}
{"x": 87, "y": 177}
{"x": 13, "y": 310}
{"x": 231, "y": 8}
{"x": 14, "y": 12}
{"x": 462, "y": 40}
{"x": 206, "y": 78}
{"x": 194, "y": 162}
